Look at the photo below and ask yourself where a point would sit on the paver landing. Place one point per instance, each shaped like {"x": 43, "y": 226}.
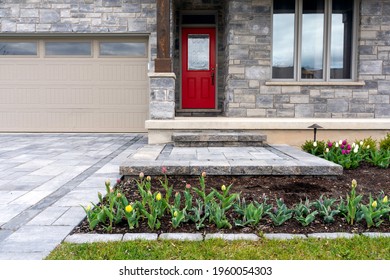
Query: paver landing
{"x": 269, "y": 160}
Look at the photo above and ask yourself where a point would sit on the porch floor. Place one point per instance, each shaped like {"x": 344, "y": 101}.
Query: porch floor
{"x": 268, "y": 160}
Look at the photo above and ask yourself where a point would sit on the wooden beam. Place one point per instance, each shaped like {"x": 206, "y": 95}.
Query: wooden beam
{"x": 163, "y": 62}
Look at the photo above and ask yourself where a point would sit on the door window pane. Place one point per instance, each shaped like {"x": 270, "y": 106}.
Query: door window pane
{"x": 341, "y": 39}
{"x": 68, "y": 48}
{"x": 283, "y": 39}
{"x": 133, "y": 49}
{"x": 18, "y": 48}
{"x": 312, "y": 39}
{"x": 198, "y": 52}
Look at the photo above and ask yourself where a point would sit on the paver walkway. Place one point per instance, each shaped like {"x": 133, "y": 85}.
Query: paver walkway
{"x": 44, "y": 178}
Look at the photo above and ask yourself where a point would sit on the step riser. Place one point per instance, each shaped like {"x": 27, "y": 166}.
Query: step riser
{"x": 222, "y": 138}
{"x": 219, "y": 144}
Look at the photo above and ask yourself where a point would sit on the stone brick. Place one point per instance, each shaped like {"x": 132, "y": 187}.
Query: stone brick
{"x": 379, "y": 99}
{"x": 291, "y": 90}
{"x": 29, "y": 13}
{"x": 25, "y": 27}
{"x": 245, "y": 98}
{"x": 382, "y": 111}
{"x": 384, "y": 87}
{"x": 338, "y": 105}
{"x": 49, "y": 16}
{"x": 8, "y": 26}
{"x": 299, "y": 99}
{"x": 162, "y": 110}
{"x": 264, "y": 101}
{"x": 112, "y": 3}
{"x": 304, "y": 110}
{"x": 256, "y": 112}
{"x": 372, "y": 67}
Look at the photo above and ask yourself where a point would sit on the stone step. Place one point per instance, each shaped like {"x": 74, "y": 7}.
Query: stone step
{"x": 219, "y": 139}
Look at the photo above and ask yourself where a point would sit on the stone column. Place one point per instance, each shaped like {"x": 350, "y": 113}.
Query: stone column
{"x": 162, "y": 96}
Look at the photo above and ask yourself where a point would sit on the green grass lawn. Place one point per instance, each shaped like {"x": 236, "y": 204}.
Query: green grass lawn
{"x": 358, "y": 248}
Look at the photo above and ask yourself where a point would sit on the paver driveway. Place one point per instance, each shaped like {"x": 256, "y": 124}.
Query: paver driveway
{"x": 44, "y": 178}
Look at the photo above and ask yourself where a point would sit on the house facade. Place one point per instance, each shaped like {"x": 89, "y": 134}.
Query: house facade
{"x": 167, "y": 65}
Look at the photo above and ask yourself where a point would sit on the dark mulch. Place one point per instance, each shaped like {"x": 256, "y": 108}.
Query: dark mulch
{"x": 291, "y": 188}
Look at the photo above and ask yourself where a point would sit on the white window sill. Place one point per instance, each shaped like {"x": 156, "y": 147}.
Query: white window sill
{"x": 292, "y": 83}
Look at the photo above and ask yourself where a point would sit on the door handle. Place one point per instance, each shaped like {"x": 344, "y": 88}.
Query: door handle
{"x": 212, "y": 78}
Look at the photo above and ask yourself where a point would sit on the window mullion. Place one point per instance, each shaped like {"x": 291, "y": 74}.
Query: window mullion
{"x": 327, "y": 39}
{"x": 298, "y": 40}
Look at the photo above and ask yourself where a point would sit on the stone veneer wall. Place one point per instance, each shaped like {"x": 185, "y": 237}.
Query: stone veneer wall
{"x": 79, "y": 16}
{"x": 199, "y": 5}
{"x": 248, "y": 59}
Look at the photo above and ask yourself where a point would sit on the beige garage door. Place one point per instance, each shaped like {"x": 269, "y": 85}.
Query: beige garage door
{"x": 80, "y": 85}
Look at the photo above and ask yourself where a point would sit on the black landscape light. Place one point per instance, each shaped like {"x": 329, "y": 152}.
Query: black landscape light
{"x": 315, "y": 127}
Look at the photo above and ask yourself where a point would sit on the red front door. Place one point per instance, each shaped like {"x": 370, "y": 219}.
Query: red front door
{"x": 198, "y": 68}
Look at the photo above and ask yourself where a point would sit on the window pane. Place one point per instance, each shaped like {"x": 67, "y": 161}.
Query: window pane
{"x": 18, "y": 48}
{"x": 134, "y": 49}
{"x": 198, "y": 52}
{"x": 341, "y": 39}
{"x": 283, "y": 39}
{"x": 68, "y": 48}
{"x": 312, "y": 39}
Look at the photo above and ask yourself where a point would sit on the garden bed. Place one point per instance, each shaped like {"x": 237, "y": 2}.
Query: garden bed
{"x": 292, "y": 190}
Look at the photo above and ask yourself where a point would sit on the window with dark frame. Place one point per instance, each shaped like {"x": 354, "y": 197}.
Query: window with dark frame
{"x": 312, "y": 40}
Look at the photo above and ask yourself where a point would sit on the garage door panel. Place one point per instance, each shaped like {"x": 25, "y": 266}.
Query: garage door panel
{"x": 122, "y": 72}
{"x": 87, "y": 94}
{"x": 20, "y": 71}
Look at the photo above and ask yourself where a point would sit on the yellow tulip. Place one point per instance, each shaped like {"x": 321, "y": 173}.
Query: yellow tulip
{"x": 148, "y": 178}
{"x": 88, "y": 208}
{"x": 223, "y": 188}
{"x": 385, "y": 199}
{"x": 175, "y": 214}
{"x": 158, "y": 196}
{"x": 354, "y": 183}
{"x": 128, "y": 208}
{"x": 374, "y": 204}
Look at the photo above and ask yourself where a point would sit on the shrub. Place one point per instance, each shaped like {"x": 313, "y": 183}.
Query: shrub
{"x": 316, "y": 148}
{"x": 384, "y": 144}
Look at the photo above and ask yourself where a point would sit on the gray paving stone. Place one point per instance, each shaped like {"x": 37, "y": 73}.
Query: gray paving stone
{"x": 181, "y": 236}
{"x": 31, "y": 198}
{"x": 232, "y": 237}
{"x": 140, "y": 236}
{"x": 24, "y": 256}
{"x": 4, "y": 233}
{"x": 48, "y": 216}
{"x": 377, "y": 234}
{"x": 331, "y": 235}
{"x": 35, "y": 239}
{"x": 7, "y": 196}
{"x": 210, "y": 167}
{"x": 7, "y": 212}
{"x": 72, "y": 217}
{"x": 283, "y": 236}
{"x": 78, "y": 197}
{"x": 250, "y": 167}
{"x": 90, "y": 238}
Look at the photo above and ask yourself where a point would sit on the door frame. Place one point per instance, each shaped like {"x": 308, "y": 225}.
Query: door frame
{"x": 181, "y": 26}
